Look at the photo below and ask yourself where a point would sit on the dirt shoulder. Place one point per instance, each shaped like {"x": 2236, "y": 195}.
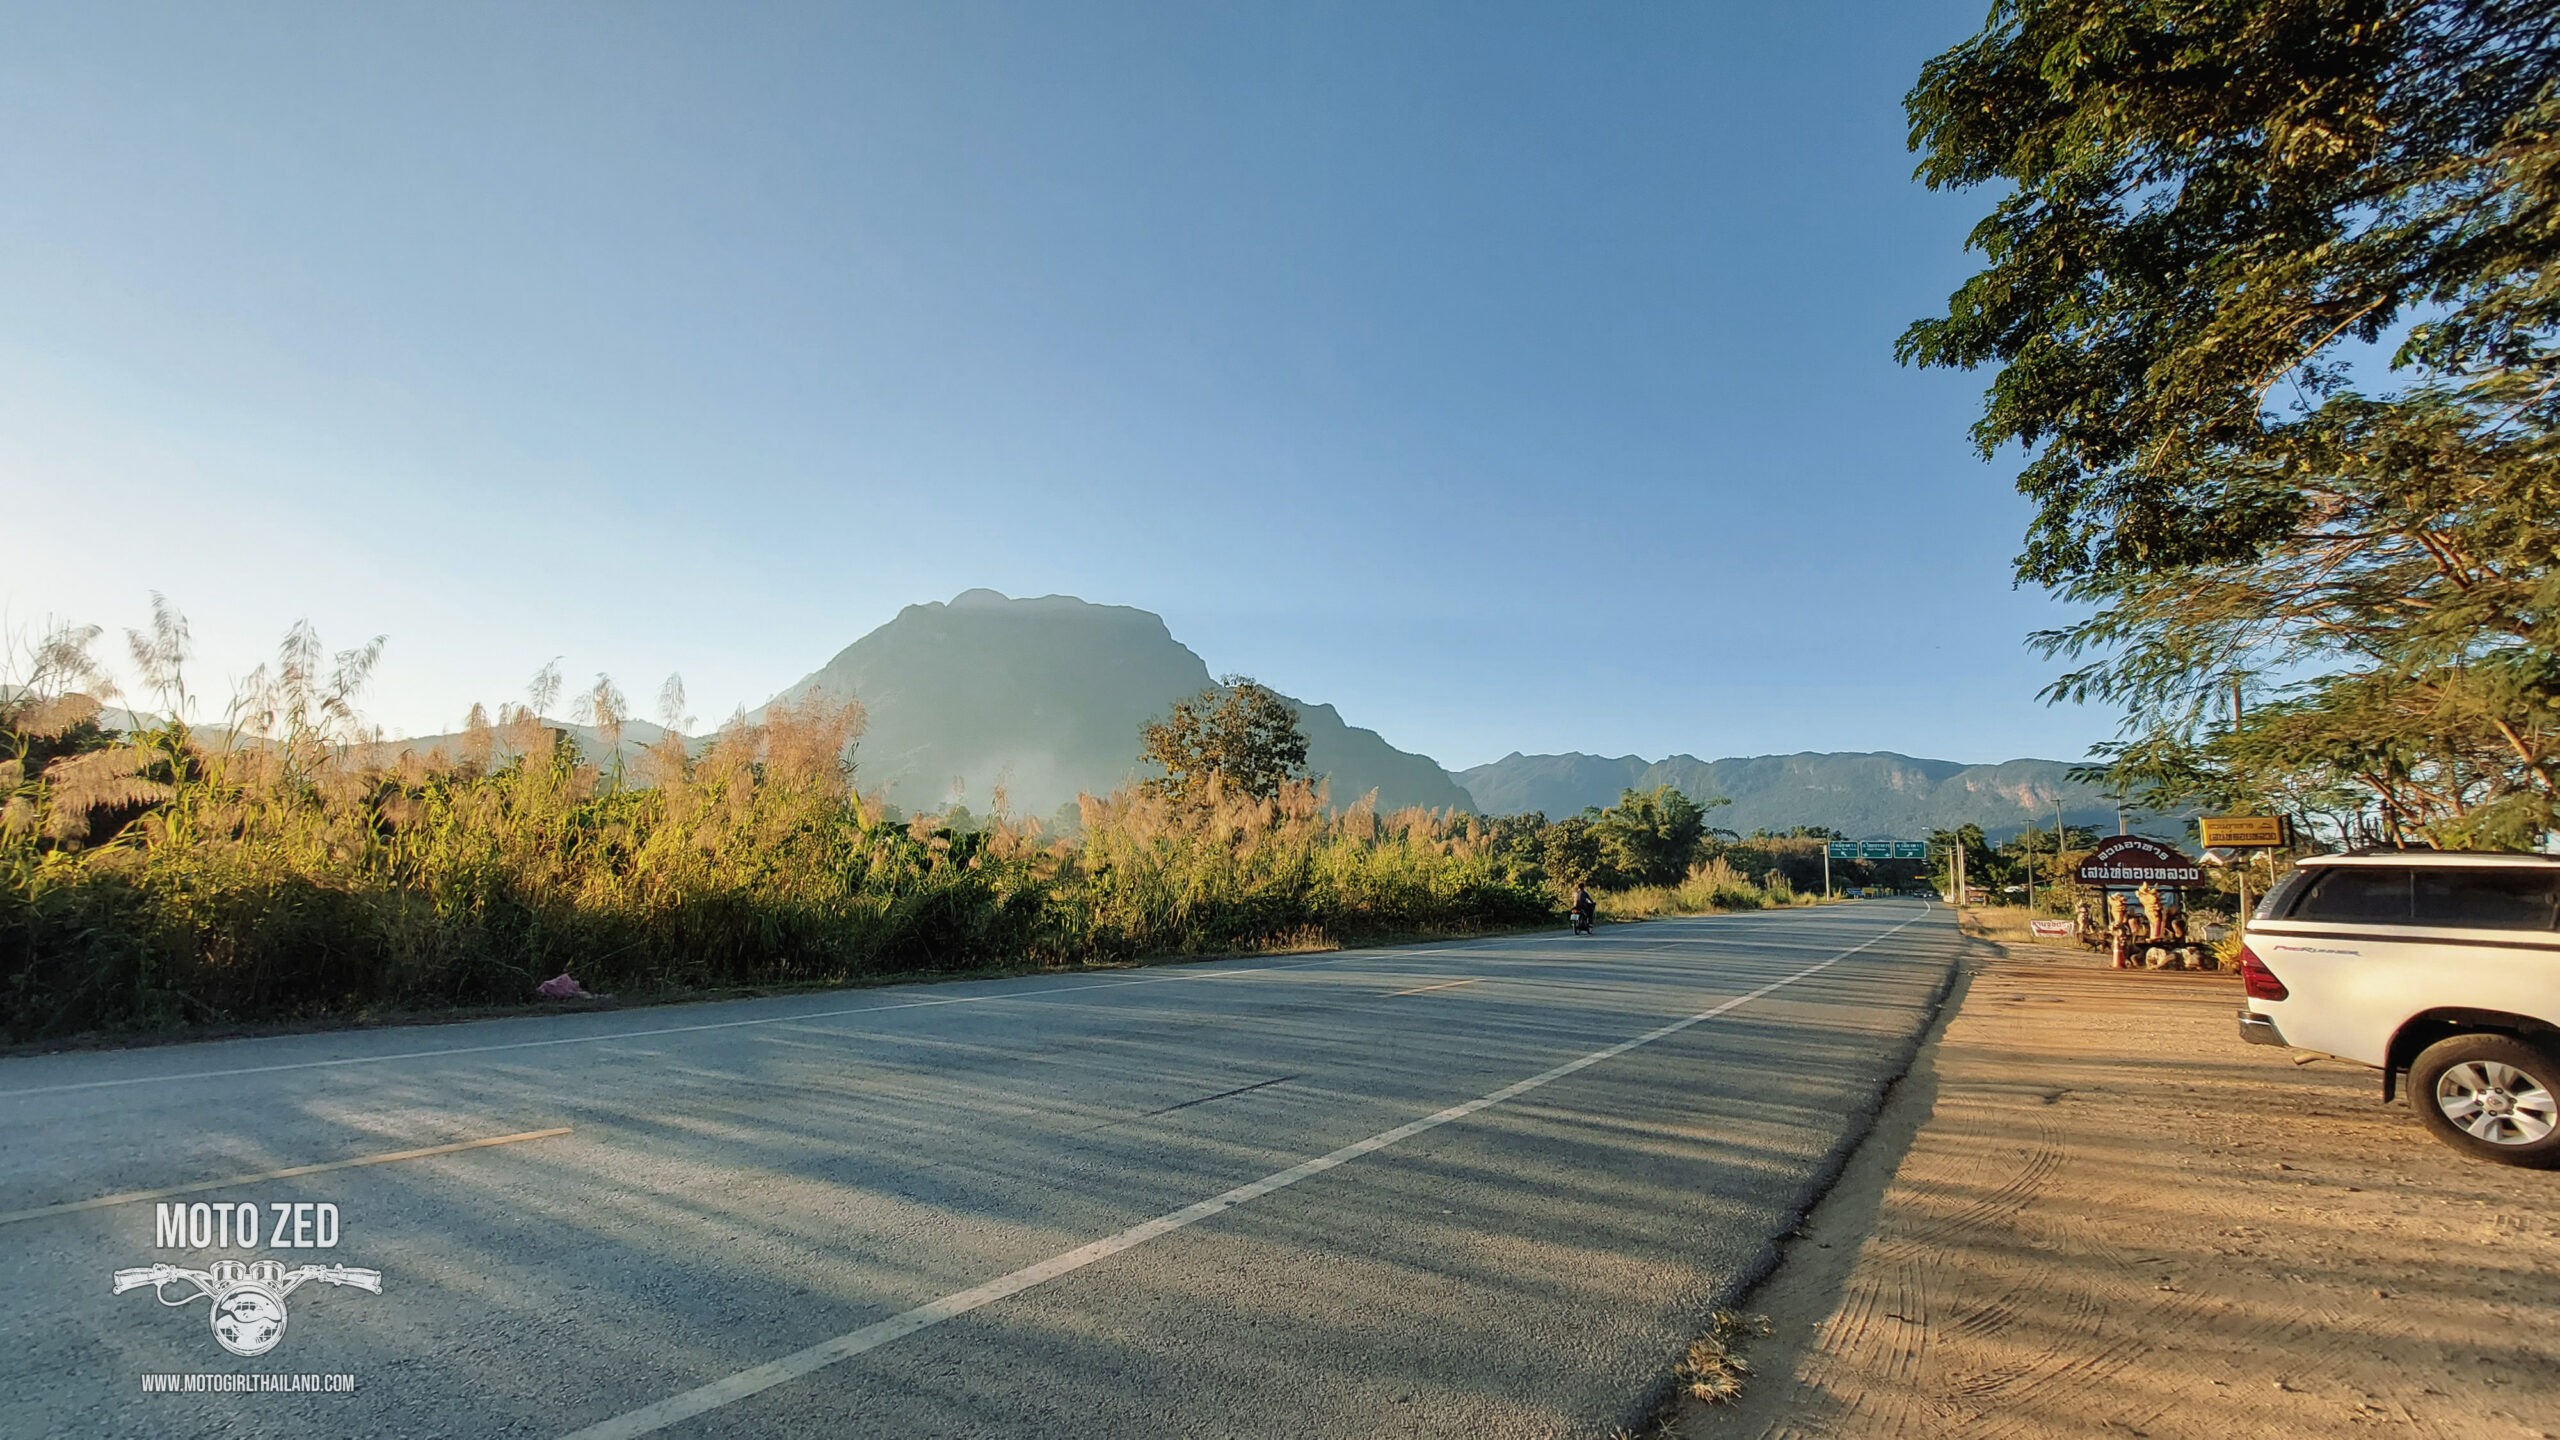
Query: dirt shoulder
{"x": 2092, "y": 1210}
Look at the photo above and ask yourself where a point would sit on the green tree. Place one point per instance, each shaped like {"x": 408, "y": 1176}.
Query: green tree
{"x": 1237, "y": 732}
{"x": 1515, "y": 843}
{"x": 2215, "y": 217}
{"x": 1570, "y": 853}
{"x": 1651, "y": 836}
{"x": 1980, "y": 866}
{"x": 2045, "y": 852}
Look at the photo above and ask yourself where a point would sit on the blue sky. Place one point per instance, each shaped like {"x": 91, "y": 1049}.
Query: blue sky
{"x": 1509, "y": 376}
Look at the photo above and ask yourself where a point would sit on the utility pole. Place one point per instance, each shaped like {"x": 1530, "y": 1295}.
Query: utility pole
{"x": 1826, "y": 869}
{"x": 2058, "y": 876}
{"x": 1958, "y": 842}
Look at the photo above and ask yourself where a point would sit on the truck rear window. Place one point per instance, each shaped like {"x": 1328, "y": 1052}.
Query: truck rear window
{"x": 2367, "y": 894}
{"x": 2482, "y": 899}
{"x": 2499, "y": 899}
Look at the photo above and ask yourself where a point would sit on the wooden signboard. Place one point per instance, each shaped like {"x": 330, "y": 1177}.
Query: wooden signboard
{"x": 2136, "y": 860}
{"x": 2242, "y": 832}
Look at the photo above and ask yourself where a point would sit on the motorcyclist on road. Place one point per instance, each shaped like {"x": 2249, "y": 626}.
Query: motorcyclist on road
{"x": 1583, "y": 908}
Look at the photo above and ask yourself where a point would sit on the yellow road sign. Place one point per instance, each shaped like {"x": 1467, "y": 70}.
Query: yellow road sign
{"x": 2242, "y": 831}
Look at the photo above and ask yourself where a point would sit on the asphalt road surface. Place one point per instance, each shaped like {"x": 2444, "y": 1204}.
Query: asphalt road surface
{"x": 1467, "y": 1189}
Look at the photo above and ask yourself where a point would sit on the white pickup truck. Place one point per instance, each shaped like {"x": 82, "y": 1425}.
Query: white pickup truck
{"x": 2441, "y": 967}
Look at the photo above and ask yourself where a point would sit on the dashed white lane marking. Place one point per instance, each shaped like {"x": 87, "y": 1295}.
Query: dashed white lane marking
{"x": 746, "y": 1383}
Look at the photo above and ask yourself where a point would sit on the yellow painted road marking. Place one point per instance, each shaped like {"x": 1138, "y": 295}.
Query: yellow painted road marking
{"x": 1426, "y": 989}
{"x": 11, "y": 1217}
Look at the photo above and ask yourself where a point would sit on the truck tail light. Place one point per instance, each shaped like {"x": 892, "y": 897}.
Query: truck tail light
{"x": 2256, "y": 980}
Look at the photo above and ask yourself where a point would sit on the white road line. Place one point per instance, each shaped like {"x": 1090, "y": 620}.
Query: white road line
{"x": 746, "y": 1383}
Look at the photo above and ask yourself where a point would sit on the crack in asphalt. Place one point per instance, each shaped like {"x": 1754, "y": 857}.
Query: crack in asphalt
{"x": 1196, "y": 1100}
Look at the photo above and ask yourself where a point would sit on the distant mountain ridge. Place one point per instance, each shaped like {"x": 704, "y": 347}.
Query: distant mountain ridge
{"x": 1864, "y": 795}
{"x": 1046, "y": 696}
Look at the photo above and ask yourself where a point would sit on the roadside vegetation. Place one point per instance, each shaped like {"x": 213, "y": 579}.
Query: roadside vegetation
{"x": 1711, "y": 885}
{"x": 287, "y": 864}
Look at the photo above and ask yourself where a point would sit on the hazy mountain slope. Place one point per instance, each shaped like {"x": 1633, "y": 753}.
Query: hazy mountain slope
{"x": 1046, "y": 697}
{"x": 1875, "y": 794}
{"x": 1558, "y": 785}
{"x": 1357, "y": 760}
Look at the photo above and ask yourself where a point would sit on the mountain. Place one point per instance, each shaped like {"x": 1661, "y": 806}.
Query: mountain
{"x": 1046, "y": 697}
{"x": 1861, "y": 795}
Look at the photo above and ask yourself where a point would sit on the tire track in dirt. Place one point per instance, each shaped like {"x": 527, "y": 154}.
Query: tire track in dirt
{"x": 1950, "y": 1202}
{"x": 1893, "y": 1309}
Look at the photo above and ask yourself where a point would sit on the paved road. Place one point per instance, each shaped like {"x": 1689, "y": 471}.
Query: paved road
{"x": 1474, "y": 1189}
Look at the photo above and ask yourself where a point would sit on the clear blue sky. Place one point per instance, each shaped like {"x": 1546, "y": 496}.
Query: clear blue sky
{"x": 1510, "y": 376}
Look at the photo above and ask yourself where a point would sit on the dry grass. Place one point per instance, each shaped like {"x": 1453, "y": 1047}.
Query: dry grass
{"x": 1712, "y": 888}
{"x": 1714, "y": 1369}
{"x": 2009, "y": 925}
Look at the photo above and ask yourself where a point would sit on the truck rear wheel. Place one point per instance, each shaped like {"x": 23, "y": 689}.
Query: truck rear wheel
{"x": 2493, "y": 1096}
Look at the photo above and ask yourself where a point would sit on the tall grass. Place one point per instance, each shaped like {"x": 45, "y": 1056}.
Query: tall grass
{"x": 1712, "y": 886}
{"x": 285, "y": 867}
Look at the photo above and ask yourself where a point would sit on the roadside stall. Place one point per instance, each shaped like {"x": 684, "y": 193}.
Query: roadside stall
{"x": 2133, "y": 904}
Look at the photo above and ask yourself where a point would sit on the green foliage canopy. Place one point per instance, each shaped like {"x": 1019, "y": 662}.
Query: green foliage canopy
{"x": 1651, "y": 836}
{"x": 2214, "y": 217}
